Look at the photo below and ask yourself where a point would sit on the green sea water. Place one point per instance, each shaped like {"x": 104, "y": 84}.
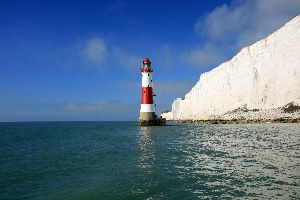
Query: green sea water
{"x": 120, "y": 160}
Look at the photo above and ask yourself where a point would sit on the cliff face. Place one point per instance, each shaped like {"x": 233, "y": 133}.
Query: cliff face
{"x": 265, "y": 75}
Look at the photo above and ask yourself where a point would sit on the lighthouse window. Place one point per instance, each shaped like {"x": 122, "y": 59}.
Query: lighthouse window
{"x": 148, "y": 85}
{"x": 151, "y": 80}
{"x": 148, "y": 74}
{"x": 144, "y": 91}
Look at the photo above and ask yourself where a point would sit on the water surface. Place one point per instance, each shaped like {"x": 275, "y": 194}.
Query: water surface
{"x": 119, "y": 160}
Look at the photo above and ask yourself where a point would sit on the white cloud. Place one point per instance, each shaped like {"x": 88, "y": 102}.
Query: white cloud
{"x": 232, "y": 26}
{"x": 125, "y": 59}
{"x": 166, "y": 55}
{"x": 103, "y": 107}
{"x": 204, "y": 56}
{"x": 247, "y": 21}
{"x": 95, "y": 51}
{"x": 172, "y": 87}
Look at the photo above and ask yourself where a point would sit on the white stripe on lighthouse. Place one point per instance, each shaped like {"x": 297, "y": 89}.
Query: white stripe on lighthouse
{"x": 147, "y": 108}
{"x": 147, "y": 79}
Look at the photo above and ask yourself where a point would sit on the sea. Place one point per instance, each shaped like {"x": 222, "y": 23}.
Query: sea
{"x": 121, "y": 160}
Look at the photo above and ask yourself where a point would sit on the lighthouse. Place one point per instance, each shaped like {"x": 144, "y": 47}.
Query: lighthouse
{"x": 147, "y": 112}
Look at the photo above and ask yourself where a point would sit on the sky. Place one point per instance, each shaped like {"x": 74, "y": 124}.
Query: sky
{"x": 80, "y": 60}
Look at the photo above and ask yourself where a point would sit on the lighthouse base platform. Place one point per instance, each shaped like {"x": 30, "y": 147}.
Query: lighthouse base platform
{"x": 155, "y": 122}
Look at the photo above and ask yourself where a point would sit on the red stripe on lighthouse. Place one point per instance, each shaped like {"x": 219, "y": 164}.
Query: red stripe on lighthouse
{"x": 147, "y": 95}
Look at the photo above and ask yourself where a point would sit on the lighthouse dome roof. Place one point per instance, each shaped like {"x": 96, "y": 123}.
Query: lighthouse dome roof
{"x": 146, "y": 61}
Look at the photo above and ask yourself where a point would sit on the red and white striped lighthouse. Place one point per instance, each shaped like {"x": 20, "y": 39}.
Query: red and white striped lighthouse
{"x": 147, "y": 112}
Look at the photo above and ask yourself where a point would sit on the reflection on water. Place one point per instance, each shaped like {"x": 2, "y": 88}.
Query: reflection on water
{"x": 147, "y": 156}
{"x": 145, "y": 161}
{"x": 223, "y": 161}
{"x": 254, "y": 160}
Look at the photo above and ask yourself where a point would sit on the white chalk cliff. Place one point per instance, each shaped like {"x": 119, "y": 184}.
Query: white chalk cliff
{"x": 264, "y": 76}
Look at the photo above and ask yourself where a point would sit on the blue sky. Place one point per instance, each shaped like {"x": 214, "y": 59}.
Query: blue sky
{"x": 79, "y": 60}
